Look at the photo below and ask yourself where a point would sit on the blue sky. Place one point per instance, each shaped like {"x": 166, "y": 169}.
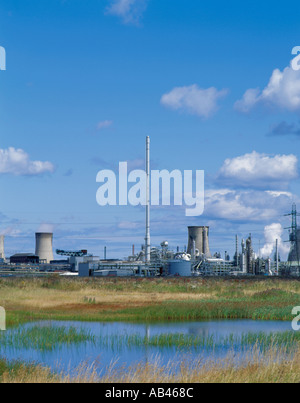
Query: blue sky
{"x": 210, "y": 82}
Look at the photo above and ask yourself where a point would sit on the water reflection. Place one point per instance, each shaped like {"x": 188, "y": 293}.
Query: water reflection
{"x": 69, "y": 357}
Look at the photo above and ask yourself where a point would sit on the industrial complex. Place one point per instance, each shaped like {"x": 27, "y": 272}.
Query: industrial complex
{"x": 195, "y": 260}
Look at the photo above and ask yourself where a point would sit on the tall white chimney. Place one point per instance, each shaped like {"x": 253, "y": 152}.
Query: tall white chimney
{"x": 147, "y": 238}
{"x": 2, "y": 254}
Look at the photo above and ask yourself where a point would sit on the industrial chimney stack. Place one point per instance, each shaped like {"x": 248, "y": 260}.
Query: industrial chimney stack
{"x": 2, "y": 254}
{"x": 43, "y": 246}
{"x": 199, "y": 238}
{"x": 147, "y": 237}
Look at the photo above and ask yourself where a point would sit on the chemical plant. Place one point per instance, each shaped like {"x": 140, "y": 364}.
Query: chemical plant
{"x": 195, "y": 260}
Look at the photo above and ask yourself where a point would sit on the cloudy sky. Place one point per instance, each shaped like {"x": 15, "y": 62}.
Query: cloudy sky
{"x": 212, "y": 84}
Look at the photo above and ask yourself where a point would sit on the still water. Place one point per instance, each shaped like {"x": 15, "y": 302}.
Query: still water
{"x": 68, "y": 357}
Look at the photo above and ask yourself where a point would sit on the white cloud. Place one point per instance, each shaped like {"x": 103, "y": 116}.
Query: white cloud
{"x": 282, "y": 91}
{"x": 130, "y": 11}
{"x": 278, "y": 194}
{"x": 259, "y": 170}
{"x": 194, "y": 100}
{"x": 226, "y": 204}
{"x": 254, "y": 206}
{"x": 17, "y": 162}
{"x": 11, "y": 231}
{"x": 104, "y": 124}
{"x": 46, "y": 227}
{"x": 272, "y": 233}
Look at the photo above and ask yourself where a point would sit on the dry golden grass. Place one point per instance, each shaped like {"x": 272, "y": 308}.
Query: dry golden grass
{"x": 137, "y": 298}
{"x": 32, "y": 294}
{"x": 32, "y": 297}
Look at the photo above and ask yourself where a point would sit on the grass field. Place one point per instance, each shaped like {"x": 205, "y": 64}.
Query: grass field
{"x": 136, "y": 299}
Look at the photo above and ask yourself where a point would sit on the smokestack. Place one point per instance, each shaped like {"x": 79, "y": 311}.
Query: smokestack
{"x": 199, "y": 235}
{"x": 237, "y": 250}
{"x": 249, "y": 256}
{"x": 2, "y": 254}
{"x": 277, "y": 256}
{"x": 43, "y": 246}
{"x": 147, "y": 238}
{"x": 243, "y": 257}
{"x": 195, "y": 235}
{"x": 206, "y": 250}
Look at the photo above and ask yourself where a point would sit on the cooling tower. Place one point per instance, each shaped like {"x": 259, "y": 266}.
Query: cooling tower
{"x": 199, "y": 235}
{"x": 2, "y": 254}
{"x": 43, "y": 246}
{"x": 294, "y": 255}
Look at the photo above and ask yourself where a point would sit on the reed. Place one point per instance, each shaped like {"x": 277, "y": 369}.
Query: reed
{"x": 43, "y": 338}
{"x": 180, "y": 341}
{"x": 275, "y": 366}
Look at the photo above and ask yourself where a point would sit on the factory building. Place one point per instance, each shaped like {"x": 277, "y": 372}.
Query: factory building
{"x": 24, "y": 258}
{"x": 196, "y": 260}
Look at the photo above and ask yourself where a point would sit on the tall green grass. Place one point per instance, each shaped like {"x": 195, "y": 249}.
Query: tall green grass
{"x": 43, "y": 338}
{"x": 262, "y": 340}
{"x": 48, "y": 338}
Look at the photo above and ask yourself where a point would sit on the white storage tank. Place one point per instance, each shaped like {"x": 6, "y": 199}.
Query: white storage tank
{"x": 182, "y": 268}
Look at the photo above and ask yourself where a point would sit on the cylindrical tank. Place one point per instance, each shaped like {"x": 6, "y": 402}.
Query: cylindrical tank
{"x": 182, "y": 268}
{"x": 2, "y": 254}
{"x": 43, "y": 246}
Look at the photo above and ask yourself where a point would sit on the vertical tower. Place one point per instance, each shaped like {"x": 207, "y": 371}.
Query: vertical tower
{"x": 147, "y": 238}
{"x": 294, "y": 255}
{"x": 243, "y": 257}
{"x": 199, "y": 236}
{"x": 249, "y": 256}
{"x": 43, "y": 246}
{"x": 2, "y": 254}
{"x": 236, "y": 256}
{"x": 195, "y": 239}
{"x": 277, "y": 256}
{"x": 206, "y": 250}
